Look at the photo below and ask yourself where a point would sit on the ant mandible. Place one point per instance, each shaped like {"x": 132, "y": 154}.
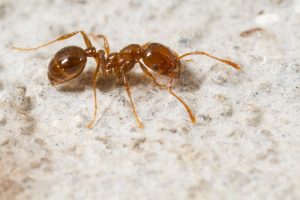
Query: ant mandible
{"x": 70, "y": 61}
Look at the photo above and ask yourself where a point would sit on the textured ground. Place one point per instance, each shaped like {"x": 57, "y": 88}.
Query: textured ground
{"x": 245, "y": 145}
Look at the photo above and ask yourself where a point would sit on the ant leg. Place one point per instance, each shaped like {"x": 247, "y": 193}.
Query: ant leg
{"x": 191, "y": 115}
{"x": 63, "y": 37}
{"x": 189, "y": 60}
{"x": 146, "y": 71}
{"x": 105, "y": 41}
{"x": 100, "y": 63}
{"x": 95, "y": 79}
{"x": 228, "y": 62}
{"x": 131, "y": 102}
{"x": 169, "y": 88}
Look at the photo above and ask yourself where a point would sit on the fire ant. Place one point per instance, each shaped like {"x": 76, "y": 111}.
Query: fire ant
{"x": 70, "y": 61}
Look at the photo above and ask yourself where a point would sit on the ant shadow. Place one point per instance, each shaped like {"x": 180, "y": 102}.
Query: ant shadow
{"x": 187, "y": 81}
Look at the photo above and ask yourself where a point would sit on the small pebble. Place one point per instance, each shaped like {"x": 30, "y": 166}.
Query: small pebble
{"x": 20, "y": 98}
{"x": 2, "y": 119}
{"x": 204, "y": 119}
{"x": 267, "y": 18}
{"x": 39, "y": 141}
{"x": 220, "y": 79}
{"x": 1, "y": 85}
{"x": 78, "y": 121}
{"x": 254, "y": 115}
{"x": 220, "y": 97}
{"x": 226, "y": 110}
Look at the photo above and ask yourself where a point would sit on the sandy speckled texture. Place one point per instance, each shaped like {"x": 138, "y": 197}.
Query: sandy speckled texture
{"x": 245, "y": 144}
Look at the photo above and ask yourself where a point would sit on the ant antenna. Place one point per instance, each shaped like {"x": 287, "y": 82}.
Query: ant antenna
{"x": 228, "y": 62}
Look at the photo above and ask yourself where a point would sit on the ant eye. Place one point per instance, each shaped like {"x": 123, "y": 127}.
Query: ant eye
{"x": 67, "y": 64}
{"x": 155, "y": 67}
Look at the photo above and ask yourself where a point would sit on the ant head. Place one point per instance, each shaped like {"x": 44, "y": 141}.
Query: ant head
{"x": 162, "y": 60}
{"x": 67, "y": 64}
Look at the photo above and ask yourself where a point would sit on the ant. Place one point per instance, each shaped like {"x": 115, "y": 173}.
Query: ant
{"x": 70, "y": 61}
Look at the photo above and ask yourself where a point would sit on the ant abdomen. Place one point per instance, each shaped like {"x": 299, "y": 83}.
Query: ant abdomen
{"x": 66, "y": 64}
{"x": 161, "y": 60}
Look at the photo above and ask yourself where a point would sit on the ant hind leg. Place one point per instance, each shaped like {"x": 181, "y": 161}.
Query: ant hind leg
{"x": 63, "y": 37}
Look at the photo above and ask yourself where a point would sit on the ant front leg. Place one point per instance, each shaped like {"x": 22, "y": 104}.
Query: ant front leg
{"x": 191, "y": 115}
{"x": 169, "y": 88}
{"x": 63, "y": 37}
{"x": 131, "y": 102}
{"x": 146, "y": 71}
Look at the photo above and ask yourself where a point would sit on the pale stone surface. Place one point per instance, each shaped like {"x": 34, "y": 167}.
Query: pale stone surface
{"x": 245, "y": 145}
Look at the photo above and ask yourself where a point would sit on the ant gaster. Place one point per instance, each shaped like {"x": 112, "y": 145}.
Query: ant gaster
{"x": 70, "y": 61}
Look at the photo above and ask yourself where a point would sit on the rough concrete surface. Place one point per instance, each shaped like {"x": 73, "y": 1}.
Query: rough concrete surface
{"x": 245, "y": 144}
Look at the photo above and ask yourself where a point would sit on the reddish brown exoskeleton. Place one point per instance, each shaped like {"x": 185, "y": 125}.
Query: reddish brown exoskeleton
{"x": 70, "y": 61}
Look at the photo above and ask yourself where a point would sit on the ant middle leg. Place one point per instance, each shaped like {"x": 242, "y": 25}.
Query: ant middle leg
{"x": 131, "y": 102}
{"x": 228, "y": 62}
{"x": 100, "y": 63}
{"x": 63, "y": 37}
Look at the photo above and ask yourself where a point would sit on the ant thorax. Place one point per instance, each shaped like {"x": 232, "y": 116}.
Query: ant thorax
{"x": 118, "y": 64}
